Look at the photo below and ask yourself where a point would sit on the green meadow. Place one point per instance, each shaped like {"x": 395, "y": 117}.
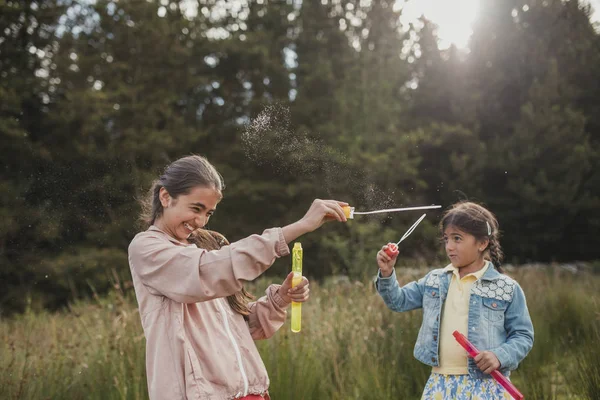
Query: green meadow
{"x": 350, "y": 347}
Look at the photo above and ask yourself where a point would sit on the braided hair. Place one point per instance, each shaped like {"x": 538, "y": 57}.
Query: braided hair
{"x": 478, "y": 221}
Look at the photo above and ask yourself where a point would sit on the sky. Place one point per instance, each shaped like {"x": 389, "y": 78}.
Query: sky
{"x": 454, "y": 18}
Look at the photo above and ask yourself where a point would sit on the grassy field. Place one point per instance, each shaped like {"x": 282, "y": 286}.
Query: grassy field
{"x": 351, "y": 346}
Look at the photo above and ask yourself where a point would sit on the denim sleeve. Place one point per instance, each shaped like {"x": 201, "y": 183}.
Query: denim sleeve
{"x": 398, "y": 298}
{"x": 519, "y": 332}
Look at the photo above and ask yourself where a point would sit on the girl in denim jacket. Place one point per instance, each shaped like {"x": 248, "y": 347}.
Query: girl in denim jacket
{"x": 470, "y": 295}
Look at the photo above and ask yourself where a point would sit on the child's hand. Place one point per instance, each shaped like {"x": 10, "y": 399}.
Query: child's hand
{"x": 487, "y": 362}
{"x": 385, "y": 262}
{"x": 299, "y": 293}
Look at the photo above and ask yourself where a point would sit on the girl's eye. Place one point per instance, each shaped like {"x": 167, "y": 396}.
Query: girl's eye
{"x": 195, "y": 209}
{"x": 457, "y": 238}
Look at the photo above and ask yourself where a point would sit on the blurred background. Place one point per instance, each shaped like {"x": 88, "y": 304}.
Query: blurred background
{"x": 379, "y": 103}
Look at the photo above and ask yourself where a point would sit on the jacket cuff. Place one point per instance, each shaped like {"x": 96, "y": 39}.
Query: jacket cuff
{"x": 503, "y": 357}
{"x": 276, "y": 298}
{"x": 385, "y": 282}
{"x": 282, "y": 248}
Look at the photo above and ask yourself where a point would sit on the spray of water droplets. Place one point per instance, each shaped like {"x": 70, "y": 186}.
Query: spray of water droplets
{"x": 270, "y": 139}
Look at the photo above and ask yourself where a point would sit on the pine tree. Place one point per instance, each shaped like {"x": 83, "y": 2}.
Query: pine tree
{"x": 27, "y": 46}
{"x": 547, "y": 159}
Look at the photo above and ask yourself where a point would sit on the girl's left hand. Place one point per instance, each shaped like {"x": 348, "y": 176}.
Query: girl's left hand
{"x": 487, "y": 362}
{"x": 299, "y": 293}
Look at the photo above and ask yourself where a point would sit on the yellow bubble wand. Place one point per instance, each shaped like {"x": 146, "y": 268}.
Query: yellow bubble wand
{"x": 350, "y": 211}
{"x": 296, "y": 279}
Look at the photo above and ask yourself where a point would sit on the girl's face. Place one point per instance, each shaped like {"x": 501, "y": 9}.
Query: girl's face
{"x": 462, "y": 248}
{"x": 181, "y": 216}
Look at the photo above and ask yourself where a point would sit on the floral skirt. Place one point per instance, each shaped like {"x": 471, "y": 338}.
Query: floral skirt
{"x": 463, "y": 387}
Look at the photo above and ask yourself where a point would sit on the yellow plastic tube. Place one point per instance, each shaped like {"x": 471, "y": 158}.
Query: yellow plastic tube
{"x": 297, "y": 270}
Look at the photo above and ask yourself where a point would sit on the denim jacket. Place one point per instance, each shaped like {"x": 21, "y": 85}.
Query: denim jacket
{"x": 499, "y": 320}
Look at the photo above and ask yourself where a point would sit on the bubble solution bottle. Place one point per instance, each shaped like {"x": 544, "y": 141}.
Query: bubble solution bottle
{"x": 297, "y": 270}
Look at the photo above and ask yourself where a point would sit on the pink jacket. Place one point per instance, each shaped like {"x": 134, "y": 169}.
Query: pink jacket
{"x": 197, "y": 347}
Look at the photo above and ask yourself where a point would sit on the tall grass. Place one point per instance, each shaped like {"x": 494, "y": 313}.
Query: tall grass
{"x": 350, "y": 347}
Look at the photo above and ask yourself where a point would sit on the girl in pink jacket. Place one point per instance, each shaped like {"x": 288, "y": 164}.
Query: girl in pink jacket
{"x": 198, "y": 321}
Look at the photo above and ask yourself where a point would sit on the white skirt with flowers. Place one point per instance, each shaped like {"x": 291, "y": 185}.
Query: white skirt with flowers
{"x": 463, "y": 387}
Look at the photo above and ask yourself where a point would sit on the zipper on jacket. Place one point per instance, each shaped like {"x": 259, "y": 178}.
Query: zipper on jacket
{"x": 238, "y": 354}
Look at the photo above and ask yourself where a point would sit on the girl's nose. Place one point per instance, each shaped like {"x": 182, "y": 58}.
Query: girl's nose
{"x": 200, "y": 221}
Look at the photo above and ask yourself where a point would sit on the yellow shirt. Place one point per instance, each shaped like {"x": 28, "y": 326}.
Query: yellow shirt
{"x": 455, "y": 316}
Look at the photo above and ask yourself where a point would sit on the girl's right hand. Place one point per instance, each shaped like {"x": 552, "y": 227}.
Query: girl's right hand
{"x": 385, "y": 262}
{"x": 322, "y": 211}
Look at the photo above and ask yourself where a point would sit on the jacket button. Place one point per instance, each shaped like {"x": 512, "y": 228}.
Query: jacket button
{"x": 432, "y": 359}
{"x": 433, "y": 294}
{"x": 494, "y": 305}
{"x": 434, "y": 337}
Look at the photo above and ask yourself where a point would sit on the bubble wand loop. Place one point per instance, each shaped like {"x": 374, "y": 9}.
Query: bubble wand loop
{"x": 501, "y": 379}
{"x": 392, "y": 249}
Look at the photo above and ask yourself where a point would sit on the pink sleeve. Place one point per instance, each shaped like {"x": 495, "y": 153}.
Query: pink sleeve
{"x": 267, "y": 314}
{"x": 187, "y": 274}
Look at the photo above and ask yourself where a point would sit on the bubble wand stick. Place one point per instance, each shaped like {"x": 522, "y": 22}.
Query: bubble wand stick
{"x": 350, "y": 213}
{"x": 501, "y": 379}
{"x": 392, "y": 249}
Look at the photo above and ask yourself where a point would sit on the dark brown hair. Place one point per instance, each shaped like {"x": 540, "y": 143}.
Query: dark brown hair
{"x": 211, "y": 240}
{"x": 179, "y": 178}
{"x": 478, "y": 221}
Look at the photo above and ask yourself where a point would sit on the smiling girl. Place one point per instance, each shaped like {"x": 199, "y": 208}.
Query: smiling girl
{"x": 470, "y": 295}
{"x": 198, "y": 321}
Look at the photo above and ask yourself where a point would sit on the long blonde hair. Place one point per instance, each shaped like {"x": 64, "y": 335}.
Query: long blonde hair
{"x": 211, "y": 240}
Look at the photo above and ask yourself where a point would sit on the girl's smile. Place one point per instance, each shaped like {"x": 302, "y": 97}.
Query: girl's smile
{"x": 188, "y": 212}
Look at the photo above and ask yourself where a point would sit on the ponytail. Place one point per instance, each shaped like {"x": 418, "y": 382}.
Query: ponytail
{"x": 211, "y": 240}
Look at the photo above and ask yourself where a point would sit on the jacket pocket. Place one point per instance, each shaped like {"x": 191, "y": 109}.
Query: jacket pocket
{"x": 193, "y": 374}
{"x": 431, "y": 297}
{"x": 493, "y": 309}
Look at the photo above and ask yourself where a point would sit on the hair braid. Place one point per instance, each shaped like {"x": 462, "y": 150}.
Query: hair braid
{"x": 495, "y": 251}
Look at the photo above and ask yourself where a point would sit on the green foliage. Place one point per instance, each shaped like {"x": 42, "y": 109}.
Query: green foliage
{"x": 97, "y": 97}
{"x": 350, "y": 347}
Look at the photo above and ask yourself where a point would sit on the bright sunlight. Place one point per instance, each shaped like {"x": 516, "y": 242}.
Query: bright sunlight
{"x": 453, "y": 18}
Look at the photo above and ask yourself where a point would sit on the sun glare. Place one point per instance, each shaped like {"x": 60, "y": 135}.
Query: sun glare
{"x": 453, "y": 18}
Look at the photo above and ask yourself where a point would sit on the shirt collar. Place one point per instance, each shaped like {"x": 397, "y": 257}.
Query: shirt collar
{"x": 171, "y": 239}
{"x": 476, "y": 274}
